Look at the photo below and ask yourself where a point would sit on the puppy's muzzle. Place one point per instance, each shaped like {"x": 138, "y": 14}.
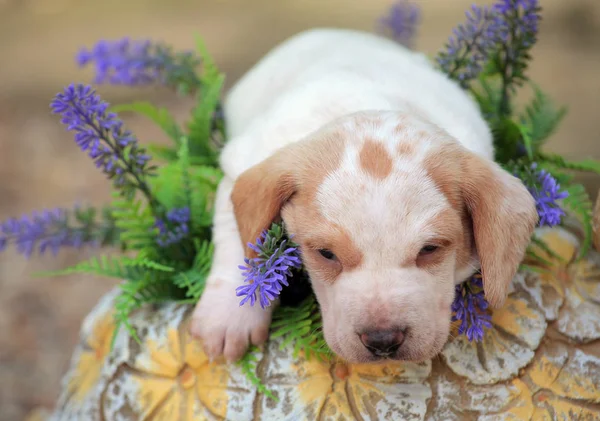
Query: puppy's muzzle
{"x": 382, "y": 343}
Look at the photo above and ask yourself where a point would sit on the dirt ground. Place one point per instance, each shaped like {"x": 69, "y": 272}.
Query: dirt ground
{"x": 41, "y": 167}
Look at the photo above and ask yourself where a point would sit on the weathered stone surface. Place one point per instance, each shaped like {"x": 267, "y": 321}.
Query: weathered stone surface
{"x": 517, "y": 330}
{"x": 540, "y": 361}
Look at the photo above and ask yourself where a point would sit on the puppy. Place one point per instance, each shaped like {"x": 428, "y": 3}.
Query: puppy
{"x": 382, "y": 169}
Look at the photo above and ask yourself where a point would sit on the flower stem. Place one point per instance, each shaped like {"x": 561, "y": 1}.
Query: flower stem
{"x": 141, "y": 185}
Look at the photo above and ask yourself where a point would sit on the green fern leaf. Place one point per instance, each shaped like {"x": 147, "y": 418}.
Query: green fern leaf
{"x": 526, "y": 135}
{"x": 524, "y": 267}
{"x": 166, "y": 153}
{"x": 142, "y": 261}
{"x": 111, "y": 267}
{"x": 174, "y": 185}
{"x": 147, "y": 289}
{"x": 193, "y": 281}
{"x": 488, "y": 98}
{"x": 580, "y": 204}
{"x": 200, "y": 126}
{"x": 121, "y": 267}
{"x": 302, "y": 328}
{"x": 161, "y": 116}
{"x": 249, "y": 365}
{"x": 136, "y": 222}
{"x": 543, "y": 246}
{"x": 587, "y": 165}
{"x": 533, "y": 256}
{"x": 541, "y": 117}
{"x": 210, "y": 71}
{"x": 183, "y": 156}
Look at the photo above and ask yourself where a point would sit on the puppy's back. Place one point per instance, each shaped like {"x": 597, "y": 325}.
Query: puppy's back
{"x": 322, "y": 74}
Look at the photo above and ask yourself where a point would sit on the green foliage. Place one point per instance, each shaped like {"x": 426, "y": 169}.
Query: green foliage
{"x": 540, "y": 118}
{"x": 135, "y": 220}
{"x": 585, "y": 165}
{"x": 181, "y": 184}
{"x": 121, "y": 267}
{"x": 150, "y": 288}
{"x": 534, "y": 261}
{"x": 192, "y": 281}
{"x": 580, "y": 204}
{"x": 302, "y": 328}
{"x": 248, "y": 365}
{"x": 202, "y": 124}
{"x": 160, "y": 116}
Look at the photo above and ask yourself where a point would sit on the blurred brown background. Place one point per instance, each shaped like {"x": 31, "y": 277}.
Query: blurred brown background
{"x": 40, "y": 166}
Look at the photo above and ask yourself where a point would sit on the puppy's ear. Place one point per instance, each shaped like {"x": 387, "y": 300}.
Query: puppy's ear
{"x": 258, "y": 195}
{"x": 504, "y": 216}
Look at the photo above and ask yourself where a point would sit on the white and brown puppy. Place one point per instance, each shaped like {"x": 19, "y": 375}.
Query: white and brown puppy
{"x": 381, "y": 168}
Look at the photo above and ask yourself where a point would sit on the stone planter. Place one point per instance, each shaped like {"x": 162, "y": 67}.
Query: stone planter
{"x": 540, "y": 361}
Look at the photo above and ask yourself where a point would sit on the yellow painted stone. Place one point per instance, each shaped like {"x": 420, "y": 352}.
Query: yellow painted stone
{"x": 540, "y": 361}
{"x": 91, "y": 359}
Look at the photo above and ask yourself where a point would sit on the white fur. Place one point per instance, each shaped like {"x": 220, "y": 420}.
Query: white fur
{"x": 305, "y": 83}
{"x": 323, "y": 74}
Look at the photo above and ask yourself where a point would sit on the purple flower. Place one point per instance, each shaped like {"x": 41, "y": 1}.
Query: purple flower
{"x": 401, "y": 22}
{"x": 470, "y": 308}
{"x": 139, "y": 62}
{"x": 471, "y": 45}
{"x": 267, "y": 274}
{"x": 100, "y": 133}
{"x": 175, "y": 228}
{"x": 509, "y": 26}
{"x": 520, "y": 21}
{"x": 50, "y": 230}
{"x": 546, "y": 193}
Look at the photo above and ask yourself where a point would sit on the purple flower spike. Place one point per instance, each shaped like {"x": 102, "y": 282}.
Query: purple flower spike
{"x": 138, "y": 62}
{"x": 509, "y": 26}
{"x": 546, "y": 195}
{"x": 43, "y": 231}
{"x": 401, "y": 22}
{"x": 470, "y": 308}
{"x": 101, "y": 134}
{"x": 175, "y": 228}
{"x": 266, "y": 274}
{"x": 471, "y": 45}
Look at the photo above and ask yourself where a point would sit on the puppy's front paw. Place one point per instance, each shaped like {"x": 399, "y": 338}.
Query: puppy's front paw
{"x": 224, "y": 327}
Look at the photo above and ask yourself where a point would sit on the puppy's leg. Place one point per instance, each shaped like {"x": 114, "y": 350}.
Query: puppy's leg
{"x": 224, "y": 327}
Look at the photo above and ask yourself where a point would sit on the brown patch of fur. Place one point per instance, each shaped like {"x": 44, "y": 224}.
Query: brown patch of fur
{"x": 296, "y": 170}
{"x": 478, "y": 189}
{"x": 452, "y": 235}
{"x": 405, "y": 149}
{"x": 375, "y": 159}
{"x": 313, "y": 233}
{"x": 257, "y": 197}
{"x": 443, "y": 167}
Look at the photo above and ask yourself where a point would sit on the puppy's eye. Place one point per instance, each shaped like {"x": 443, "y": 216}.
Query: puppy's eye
{"x": 327, "y": 254}
{"x": 428, "y": 249}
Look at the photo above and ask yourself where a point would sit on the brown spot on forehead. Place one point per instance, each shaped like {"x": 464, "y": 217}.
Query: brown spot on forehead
{"x": 405, "y": 149}
{"x": 375, "y": 160}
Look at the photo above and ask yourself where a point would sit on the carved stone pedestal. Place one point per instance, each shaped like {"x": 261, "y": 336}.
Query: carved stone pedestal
{"x": 540, "y": 361}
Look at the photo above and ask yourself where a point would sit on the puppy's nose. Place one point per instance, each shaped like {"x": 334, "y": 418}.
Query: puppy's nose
{"x": 382, "y": 343}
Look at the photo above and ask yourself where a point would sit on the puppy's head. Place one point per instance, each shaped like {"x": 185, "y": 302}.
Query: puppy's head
{"x": 390, "y": 213}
